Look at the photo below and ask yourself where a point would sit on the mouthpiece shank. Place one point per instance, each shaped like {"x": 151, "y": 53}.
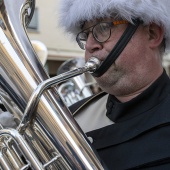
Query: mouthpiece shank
{"x": 91, "y": 65}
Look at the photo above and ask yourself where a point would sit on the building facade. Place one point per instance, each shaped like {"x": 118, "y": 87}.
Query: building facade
{"x": 44, "y": 27}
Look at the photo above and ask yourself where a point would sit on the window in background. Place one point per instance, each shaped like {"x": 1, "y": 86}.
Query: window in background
{"x": 34, "y": 22}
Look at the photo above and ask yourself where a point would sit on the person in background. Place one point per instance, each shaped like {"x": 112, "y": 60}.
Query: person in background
{"x": 129, "y": 124}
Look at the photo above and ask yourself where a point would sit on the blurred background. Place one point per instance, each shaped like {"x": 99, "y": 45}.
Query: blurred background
{"x": 59, "y": 54}
{"x": 44, "y": 28}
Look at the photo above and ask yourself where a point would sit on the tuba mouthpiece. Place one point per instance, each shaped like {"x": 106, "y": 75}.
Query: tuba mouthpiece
{"x": 92, "y": 64}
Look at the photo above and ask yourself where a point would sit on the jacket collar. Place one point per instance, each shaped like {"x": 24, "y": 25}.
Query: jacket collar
{"x": 151, "y": 97}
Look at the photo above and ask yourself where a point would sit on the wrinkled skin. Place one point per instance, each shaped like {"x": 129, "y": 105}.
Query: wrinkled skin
{"x": 138, "y": 65}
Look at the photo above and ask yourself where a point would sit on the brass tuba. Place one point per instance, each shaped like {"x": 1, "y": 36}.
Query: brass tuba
{"x": 46, "y": 136}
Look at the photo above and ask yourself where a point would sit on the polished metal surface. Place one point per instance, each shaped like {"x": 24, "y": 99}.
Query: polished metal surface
{"x": 28, "y": 116}
{"x": 28, "y": 153}
{"x": 78, "y": 87}
{"x": 52, "y": 139}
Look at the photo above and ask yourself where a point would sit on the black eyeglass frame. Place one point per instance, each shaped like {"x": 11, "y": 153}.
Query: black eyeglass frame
{"x": 111, "y": 24}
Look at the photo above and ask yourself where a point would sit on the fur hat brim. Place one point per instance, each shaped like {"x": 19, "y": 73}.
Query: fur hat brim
{"x": 74, "y": 12}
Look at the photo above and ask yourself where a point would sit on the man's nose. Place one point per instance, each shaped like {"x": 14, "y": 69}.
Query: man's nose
{"x": 91, "y": 44}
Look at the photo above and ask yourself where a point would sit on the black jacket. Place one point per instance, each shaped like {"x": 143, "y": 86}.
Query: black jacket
{"x": 140, "y": 135}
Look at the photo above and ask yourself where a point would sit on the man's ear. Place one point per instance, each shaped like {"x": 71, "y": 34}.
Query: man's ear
{"x": 156, "y": 35}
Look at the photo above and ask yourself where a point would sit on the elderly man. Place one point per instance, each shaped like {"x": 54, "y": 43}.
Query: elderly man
{"x": 129, "y": 125}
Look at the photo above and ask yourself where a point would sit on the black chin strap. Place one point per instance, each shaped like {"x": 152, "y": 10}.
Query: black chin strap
{"x": 118, "y": 48}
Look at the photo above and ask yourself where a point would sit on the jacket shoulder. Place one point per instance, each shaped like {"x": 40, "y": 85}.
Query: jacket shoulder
{"x": 85, "y": 102}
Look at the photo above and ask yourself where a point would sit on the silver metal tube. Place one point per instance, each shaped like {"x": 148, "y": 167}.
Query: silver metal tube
{"x": 4, "y": 163}
{"x": 12, "y": 158}
{"x": 91, "y": 65}
{"x": 34, "y": 162}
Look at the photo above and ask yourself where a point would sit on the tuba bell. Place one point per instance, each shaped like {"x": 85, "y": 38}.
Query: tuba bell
{"x": 46, "y": 135}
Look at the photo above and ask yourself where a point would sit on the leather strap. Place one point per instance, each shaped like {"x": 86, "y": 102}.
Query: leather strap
{"x": 118, "y": 48}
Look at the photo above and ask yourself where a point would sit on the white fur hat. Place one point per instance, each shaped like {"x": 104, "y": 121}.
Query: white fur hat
{"x": 74, "y": 12}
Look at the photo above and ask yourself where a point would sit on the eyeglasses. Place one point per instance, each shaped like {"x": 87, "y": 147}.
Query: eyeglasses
{"x": 100, "y": 31}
